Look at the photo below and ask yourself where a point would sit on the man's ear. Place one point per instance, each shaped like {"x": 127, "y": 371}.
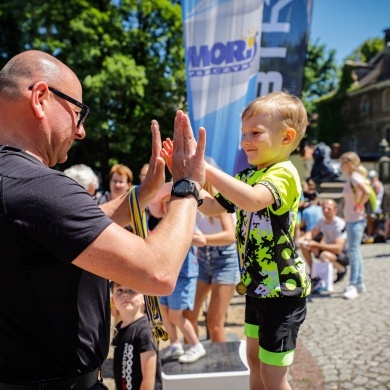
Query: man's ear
{"x": 39, "y": 95}
{"x": 289, "y": 136}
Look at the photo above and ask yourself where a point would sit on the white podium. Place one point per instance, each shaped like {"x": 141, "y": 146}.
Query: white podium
{"x": 223, "y": 368}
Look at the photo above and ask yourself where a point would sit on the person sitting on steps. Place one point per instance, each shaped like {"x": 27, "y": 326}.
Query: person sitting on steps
{"x": 331, "y": 246}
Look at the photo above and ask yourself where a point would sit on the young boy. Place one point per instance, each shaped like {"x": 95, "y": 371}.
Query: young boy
{"x": 136, "y": 361}
{"x": 265, "y": 198}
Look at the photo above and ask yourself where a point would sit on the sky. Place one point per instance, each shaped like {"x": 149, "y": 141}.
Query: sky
{"x": 344, "y": 25}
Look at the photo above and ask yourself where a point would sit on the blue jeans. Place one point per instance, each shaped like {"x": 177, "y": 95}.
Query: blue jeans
{"x": 355, "y": 232}
{"x": 218, "y": 264}
{"x": 183, "y": 296}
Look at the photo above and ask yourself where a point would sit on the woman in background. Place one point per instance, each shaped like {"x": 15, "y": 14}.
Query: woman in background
{"x": 218, "y": 271}
{"x": 356, "y": 194}
{"x": 121, "y": 180}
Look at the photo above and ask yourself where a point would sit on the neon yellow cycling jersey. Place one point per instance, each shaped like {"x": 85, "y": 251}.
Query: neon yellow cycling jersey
{"x": 271, "y": 267}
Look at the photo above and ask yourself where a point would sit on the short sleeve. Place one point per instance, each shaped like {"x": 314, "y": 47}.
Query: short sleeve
{"x": 56, "y": 214}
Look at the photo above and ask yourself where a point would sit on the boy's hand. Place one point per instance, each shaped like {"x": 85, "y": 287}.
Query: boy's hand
{"x": 167, "y": 151}
{"x": 187, "y": 155}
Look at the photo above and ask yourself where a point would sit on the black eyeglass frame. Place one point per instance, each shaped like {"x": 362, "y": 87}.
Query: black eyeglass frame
{"x": 84, "y": 108}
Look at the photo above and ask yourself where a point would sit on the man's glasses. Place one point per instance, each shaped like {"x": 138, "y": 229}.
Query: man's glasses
{"x": 84, "y": 108}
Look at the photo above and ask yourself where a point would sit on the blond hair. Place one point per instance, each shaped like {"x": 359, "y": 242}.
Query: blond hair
{"x": 283, "y": 107}
{"x": 353, "y": 159}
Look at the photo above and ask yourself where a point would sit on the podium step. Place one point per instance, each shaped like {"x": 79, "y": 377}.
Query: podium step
{"x": 223, "y": 368}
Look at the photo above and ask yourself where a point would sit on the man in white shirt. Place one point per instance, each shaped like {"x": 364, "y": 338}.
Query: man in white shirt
{"x": 326, "y": 241}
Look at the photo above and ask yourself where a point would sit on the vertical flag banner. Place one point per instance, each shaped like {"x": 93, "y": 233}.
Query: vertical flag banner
{"x": 222, "y": 42}
{"x": 285, "y": 32}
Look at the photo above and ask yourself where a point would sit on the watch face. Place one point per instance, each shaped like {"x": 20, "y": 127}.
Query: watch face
{"x": 182, "y": 187}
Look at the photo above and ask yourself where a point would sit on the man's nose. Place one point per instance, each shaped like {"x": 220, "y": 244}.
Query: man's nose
{"x": 80, "y": 133}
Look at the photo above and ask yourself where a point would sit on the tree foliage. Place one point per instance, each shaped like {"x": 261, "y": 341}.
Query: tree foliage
{"x": 128, "y": 55}
{"x": 367, "y": 50}
{"x": 320, "y": 74}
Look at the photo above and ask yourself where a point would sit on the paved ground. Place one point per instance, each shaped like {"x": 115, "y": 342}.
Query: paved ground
{"x": 348, "y": 342}
{"x": 343, "y": 345}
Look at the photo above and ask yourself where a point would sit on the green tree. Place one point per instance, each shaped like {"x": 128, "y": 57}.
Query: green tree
{"x": 320, "y": 78}
{"x": 320, "y": 74}
{"x": 367, "y": 50}
{"x": 129, "y": 56}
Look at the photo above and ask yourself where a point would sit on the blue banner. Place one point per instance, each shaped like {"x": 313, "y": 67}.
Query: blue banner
{"x": 285, "y": 34}
{"x": 222, "y": 41}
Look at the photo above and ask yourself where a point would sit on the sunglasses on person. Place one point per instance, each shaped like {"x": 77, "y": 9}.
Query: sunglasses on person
{"x": 84, "y": 108}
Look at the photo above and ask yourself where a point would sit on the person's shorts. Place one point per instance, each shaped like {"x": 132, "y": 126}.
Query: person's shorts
{"x": 275, "y": 322}
{"x": 341, "y": 258}
{"x": 218, "y": 264}
{"x": 183, "y": 296}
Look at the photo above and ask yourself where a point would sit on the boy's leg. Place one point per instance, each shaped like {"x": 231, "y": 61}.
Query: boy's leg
{"x": 274, "y": 377}
{"x": 252, "y": 356}
{"x": 275, "y": 321}
{"x": 264, "y": 376}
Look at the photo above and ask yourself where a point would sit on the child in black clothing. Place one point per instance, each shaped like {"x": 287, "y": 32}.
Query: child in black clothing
{"x": 136, "y": 361}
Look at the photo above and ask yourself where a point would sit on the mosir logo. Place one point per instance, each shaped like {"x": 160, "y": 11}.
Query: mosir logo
{"x": 222, "y": 57}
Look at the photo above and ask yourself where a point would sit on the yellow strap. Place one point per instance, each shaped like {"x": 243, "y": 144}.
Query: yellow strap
{"x": 152, "y": 304}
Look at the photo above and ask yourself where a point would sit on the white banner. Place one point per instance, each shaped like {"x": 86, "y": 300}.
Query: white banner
{"x": 222, "y": 42}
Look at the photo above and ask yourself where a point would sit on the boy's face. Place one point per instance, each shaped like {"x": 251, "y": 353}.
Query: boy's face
{"x": 124, "y": 298}
{"x": 265, "y": 141}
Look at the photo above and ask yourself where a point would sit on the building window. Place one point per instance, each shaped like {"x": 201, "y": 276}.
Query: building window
{"x": 386, "y": 100}
{"x": 364, "y": 105}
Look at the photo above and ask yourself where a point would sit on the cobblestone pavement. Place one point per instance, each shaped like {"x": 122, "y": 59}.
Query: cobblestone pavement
{"x": 349, "y": 341}
{"x": 342, "y": 345}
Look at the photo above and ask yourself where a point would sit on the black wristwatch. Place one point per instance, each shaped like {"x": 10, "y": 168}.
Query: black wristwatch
{"x": 185, "y": 187}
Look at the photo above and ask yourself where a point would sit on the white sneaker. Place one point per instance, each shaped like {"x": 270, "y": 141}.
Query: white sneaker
{"x": 350, "y": 292}
{"x": 193, "y": 354}
{"x": 361, "y": 288}
{"x": 173, "y": 351}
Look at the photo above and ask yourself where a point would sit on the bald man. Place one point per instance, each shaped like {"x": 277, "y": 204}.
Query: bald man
{"x": 58, "y": 248}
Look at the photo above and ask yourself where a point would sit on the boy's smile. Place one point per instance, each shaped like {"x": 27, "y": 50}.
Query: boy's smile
{"x": 263, "y": 141}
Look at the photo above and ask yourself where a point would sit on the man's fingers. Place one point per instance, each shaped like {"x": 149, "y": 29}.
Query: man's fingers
{"x": 156, "y": 138}
{"x": 200, "y": 148}
{"x": 160, "y": 166}
{"x": 186, "y": 126}
{"x": 178, "y": 130}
